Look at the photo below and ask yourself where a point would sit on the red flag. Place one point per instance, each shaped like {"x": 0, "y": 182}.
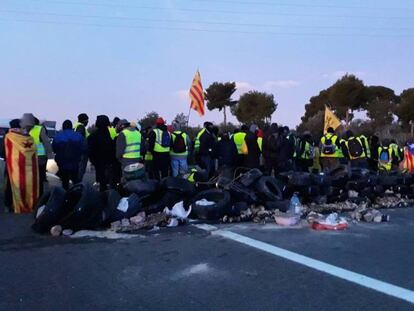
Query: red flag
{"x": 197, "y": 94}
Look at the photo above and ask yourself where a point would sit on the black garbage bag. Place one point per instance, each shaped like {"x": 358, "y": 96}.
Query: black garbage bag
{"x": 50, "y": 210}
{"x": 268, "y": 189}
{"x": 177, "y": 184}
{"x": 250, "y": 177}
{"x": 142, "y": 188}
{"x": 126, "y": 208}
{"x": 111, "y": 199}
{"x": 157, "y": 203}
{"x": 220, "y": 204}
{"x": 86, "y": 205}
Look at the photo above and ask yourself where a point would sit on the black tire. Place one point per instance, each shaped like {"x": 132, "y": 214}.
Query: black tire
{"x": 142, "y": 188}
{"x": 268, "y": 189}
{"x": 300, "y": 179}
{"x": 241, "y": 193}
{"x": 282, "y": 205}
{"x": 339, "y": 181}
{"x": 390, "y": 180}
{"x": 250, "y": 177}
{"x": 321, "y": 180}
{"x": 215, "y": 211}
{"x": 313, "y": 191}
{"x": 87, "y": 208}
{"x": 339, "y": 171}
{"x": 50, "y": 210}
{"x": 178, "y": 184}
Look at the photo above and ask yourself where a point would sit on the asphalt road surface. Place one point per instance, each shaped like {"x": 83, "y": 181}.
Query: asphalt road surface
{"x": 187, "y": 268}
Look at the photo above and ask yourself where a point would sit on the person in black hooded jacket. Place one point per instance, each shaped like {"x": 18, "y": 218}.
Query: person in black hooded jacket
{"x": 252, "y": 158}
{"x": 101, "y": 151}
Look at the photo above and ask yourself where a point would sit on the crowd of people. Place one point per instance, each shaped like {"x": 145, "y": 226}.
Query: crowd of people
{"x": 168, "y": 150}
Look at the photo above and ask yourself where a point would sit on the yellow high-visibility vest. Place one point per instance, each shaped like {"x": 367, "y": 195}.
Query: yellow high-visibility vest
{"x": 133, "y": 144}
{"x": 77, "y": 124}
{"x": 333, "y": 139}
{"x": 238, "y": 139}
{"x": 260, "y": 143}
{"x": 112, "y": 132}
{"x": 362, "y": 146}
{"x": 197, "y": 140}
{"x": 35, "y": 133}
{"x": 173, "y": 136}
{"x": 382, "y": 165}
{"x": 158, "y": 139}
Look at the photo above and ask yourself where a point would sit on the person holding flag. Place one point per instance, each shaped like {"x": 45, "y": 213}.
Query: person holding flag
{"x": 330, "y": 148}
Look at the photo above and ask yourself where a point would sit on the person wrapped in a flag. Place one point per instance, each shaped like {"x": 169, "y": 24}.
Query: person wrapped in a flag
{"x": 22, "y": 169}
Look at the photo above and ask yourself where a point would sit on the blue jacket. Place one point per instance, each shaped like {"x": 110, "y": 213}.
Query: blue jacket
{"x": 69, "y": 146}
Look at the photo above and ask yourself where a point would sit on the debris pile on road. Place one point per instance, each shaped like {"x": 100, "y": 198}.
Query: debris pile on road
{"x": 144, "y": 204}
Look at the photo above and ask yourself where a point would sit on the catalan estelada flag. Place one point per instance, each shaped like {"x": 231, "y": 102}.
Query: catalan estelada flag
{"x": 22, "y": 169}
{"x": 197, "y": 94}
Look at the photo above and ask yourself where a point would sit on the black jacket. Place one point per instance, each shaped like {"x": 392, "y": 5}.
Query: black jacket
{"x": 207, "y": 141}
{"x": 225, "y": 151}
{"x": 252, "y": 159}
{"x": 101, "y": 147}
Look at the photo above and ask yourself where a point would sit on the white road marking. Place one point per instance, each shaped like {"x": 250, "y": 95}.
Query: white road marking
{"x": 360, "y": 279}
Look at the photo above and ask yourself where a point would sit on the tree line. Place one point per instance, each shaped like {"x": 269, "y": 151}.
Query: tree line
{"x": 387, "y": 113}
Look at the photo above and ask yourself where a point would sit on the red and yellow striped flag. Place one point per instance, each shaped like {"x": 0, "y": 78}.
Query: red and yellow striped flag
{"x": 197, "y": 94}
{"x": 22, "y": 169}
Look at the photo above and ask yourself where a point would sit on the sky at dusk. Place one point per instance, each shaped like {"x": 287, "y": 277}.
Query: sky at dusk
{"x": 125, "y": 58}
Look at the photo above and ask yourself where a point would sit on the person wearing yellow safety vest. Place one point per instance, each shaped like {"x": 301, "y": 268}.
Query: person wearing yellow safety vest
{"x": 128, "y": 144}
{"x": 159, "y": 141}
{"x": 42, "y": 142}
{"x": 365, "y": 144}
{"x": 203, "y": 148}
{"x": 180, "y": 147}
{"x": 355, "y": 151}
{"x": 305, "y": 153}
{"x": 329, "y": 148}
{"x": 385, "y": 156}
{"x": 113, "y": 128}
{"x": 147, "y": 155}
{"x": 238, "y": 139}
{"x": 80, "y": 127}
{"x": 398, "y": 153}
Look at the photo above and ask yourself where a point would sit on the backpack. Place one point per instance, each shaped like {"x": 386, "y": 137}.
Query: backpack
{"x": 179, "y": 145}
{"x": 165, "y": 139}
{"x": 328, "y": 147}
{"x": 384, "y": 156}
{"x": 355, "y": 148}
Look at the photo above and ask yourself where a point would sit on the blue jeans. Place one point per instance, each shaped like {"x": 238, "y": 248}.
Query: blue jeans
{"x": 179, "y": 166}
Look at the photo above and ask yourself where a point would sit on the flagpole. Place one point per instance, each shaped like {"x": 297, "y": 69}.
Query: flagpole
{"x": 188, "y": 117}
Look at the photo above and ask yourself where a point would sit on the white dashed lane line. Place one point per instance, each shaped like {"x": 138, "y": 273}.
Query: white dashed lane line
{"x": 360, "y": 279}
